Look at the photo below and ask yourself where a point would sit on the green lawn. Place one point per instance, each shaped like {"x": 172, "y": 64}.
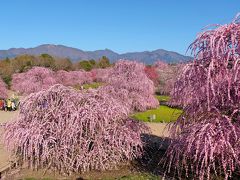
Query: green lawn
{"x": 162, "y": 98}
{"x": 162, "y": 113}
{"x": 94, "y": 85}
{"x": 143, "y": 176}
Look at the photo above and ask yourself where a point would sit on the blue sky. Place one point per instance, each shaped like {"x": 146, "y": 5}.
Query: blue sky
{"x": 120, "y": 25}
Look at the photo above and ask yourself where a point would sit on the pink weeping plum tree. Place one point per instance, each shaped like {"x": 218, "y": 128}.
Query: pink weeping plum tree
{"x": 129, "y": 83}
{"x": 33, "y": 80}
{"x": 100, "y": 75}
{"x": 67, "y": 131}
{"x": 190, "y": 85}
{"x": 151, "y": 72}
{"x": 3, "y": 89}
{"x": 166, "y": 76}
{"x": 73, "y": 78}
{"x": 39, "y": 78}
{"x": 206, "y": 136}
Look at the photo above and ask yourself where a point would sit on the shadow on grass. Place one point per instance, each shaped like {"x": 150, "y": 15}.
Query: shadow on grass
{"x": 154, "y": 149}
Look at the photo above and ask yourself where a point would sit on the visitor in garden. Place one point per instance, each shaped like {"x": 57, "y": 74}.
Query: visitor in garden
{"x": 5, "y": 105}
{"x": 1, "y": 104}
{"x": 13, "y": 106}
{"x": 9, "y": 105}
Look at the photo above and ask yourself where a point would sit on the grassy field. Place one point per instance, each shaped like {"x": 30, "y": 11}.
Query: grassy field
{"x": 162, "y": 113}
{"x": 94, "y": 85}
{"x": 162, "y": 98}
{"x": 139, "y": 177}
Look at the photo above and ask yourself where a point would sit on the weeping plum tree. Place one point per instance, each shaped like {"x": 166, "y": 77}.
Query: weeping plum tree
{"x": 39, "y": 78}
{"x": 151, "y": 72}
{"x": 166, "y": 76}
{"x": 3, "y": 89}
{"x": 34, "y": 80}
{"x": 100, "y": 75}
{"x": 64, "y": 130}
{"x": 206, "y": 136}
{"x": 190, "y": 85}
{"x": 129, "y": 84}
{"x": 72, "y": 78}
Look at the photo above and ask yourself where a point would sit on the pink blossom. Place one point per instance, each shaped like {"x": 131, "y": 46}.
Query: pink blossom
{"x": 129, "y": 78}
{"x": 167, "y": 75}
{"x": 100, "y": 75}
{"x": 73, "y": 78}
{"x": 34, "y": 80}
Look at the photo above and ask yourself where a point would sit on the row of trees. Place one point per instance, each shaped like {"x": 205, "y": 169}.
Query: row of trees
{"x": 23, "y": 63}
{"x": 162, "y": 74}
{"x": 42, "y": 78}
{"x": 135, "y": 89}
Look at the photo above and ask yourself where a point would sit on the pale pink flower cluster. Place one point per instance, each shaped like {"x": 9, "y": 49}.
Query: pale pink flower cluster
{"x": 100, "y": 75}
{"x": 39, "y": 78}
{"x": 34, "y": 80}
{"x": 167, "y": 76}
{"x": 128, "y": 82}
{"x": 72, "y": 78}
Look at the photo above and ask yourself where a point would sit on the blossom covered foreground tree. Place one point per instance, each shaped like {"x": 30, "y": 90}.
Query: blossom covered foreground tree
{"x": 65, "y": 130}
{"x": 129, "y": 84}
{"x": 3, "y": 89}
{"x": 33, "y": 80}
{"x": 206, "y": 136}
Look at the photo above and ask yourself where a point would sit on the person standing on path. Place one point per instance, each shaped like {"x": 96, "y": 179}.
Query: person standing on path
{"x": 9, "y": 105}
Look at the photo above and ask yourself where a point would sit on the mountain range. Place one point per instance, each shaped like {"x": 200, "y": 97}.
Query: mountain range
{"x": 75, "y": 54}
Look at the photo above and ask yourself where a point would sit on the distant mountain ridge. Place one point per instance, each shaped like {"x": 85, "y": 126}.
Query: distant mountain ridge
{"x": 75, "y": 54}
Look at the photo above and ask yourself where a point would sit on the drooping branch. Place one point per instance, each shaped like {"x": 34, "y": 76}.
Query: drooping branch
{"x": 69, "y": 131}
{"x": 129, "y": 83}
{"x": 205, "y": 137}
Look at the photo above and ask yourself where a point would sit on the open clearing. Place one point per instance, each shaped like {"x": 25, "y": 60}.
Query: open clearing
{"x": 163, "y": 114}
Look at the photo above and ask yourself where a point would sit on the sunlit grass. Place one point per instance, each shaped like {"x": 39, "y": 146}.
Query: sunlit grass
{"x": 140, "y": 177}
{"x": 94, "y": 85}
{"x": 162, "y": 98}
{"x": 162, "y": 113}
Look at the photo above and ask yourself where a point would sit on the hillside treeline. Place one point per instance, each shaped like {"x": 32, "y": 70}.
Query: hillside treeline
{"x": 23, "y": 63}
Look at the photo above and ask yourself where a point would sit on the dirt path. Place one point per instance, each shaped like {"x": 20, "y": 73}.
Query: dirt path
{"x": 159, "y": 129}
{"x": 4, "y": 155}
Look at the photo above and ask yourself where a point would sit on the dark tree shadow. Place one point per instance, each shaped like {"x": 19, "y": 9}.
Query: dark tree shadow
{"x": 154, "y": 149}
